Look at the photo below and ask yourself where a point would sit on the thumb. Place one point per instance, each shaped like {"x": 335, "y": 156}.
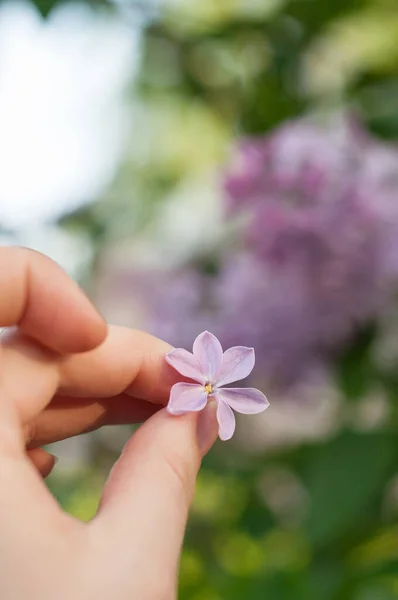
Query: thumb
{"x": 145, "y": 504}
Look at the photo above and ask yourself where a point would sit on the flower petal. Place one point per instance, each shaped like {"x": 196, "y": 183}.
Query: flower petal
{"x": 226, "y": 421}
{"x": 238, "y": 363}
{"x": 185, "y": 398}
{"x": 247, "y": 401}
{"x": 207, "y": 349}
{"x": 185, "y": 363}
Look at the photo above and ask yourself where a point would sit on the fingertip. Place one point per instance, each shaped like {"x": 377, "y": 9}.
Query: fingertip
{"x": 92, "y": 332}
{"x": 57, "y": 311}
{"x": 43, "y": 461}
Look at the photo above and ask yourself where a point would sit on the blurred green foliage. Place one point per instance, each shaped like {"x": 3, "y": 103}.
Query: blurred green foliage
{"x": 211, "y": 71}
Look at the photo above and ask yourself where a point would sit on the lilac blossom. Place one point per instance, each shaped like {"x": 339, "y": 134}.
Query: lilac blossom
{"x": 317, "y": 257}
{"x": 212, "y": 368}
{"x": 301, "y": 163}
{"x": 323, "y": 221}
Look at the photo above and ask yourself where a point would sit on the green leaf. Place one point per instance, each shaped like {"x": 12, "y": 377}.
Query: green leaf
{"x": 270, "y": 102}
{"x": 345, "y": 479}
{"x": 45, "y": 6}
{"x": 355, "y": 373}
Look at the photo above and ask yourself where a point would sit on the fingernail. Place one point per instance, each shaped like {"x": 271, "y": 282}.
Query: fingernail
{"x": 207, "y": 427}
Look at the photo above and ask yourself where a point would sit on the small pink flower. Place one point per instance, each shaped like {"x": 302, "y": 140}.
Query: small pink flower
{"x": 212, "y": 369}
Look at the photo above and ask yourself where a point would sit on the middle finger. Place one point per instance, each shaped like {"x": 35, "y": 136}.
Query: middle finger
{"x": 68, "y": 416}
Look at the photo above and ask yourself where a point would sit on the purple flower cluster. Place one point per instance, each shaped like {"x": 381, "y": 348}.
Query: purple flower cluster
{"x": 320, "y": 252}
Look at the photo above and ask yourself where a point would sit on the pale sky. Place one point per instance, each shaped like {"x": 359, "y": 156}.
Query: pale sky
{"x": 63, "y": 123}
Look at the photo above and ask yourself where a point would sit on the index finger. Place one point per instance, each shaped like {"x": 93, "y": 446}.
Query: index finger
{"x": 39, "y": 297}
{"x": 129, "y": 361}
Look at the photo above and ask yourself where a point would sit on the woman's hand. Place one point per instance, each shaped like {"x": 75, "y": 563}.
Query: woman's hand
{"x": 63, "y": 372}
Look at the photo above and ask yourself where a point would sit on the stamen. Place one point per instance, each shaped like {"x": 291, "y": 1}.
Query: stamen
{"x": 208, "y": 389}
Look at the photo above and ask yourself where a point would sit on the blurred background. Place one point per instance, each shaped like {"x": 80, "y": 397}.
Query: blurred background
{"x": 231, "y": 165}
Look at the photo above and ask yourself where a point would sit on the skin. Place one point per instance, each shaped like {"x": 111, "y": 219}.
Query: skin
{"x": 63, "y": 371}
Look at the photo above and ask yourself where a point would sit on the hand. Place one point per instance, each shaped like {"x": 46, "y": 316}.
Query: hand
{"x": 63, "y": 372}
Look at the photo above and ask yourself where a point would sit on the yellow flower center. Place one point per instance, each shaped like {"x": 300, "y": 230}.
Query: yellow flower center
{"x": 208, "y": 389}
